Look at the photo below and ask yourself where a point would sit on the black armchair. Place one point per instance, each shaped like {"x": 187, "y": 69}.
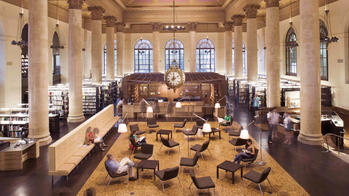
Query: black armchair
{"x": 237, "y": 142}
{"x": 252, "y": 159}
{"x": 192, "y": 132}
{"x": 114, "y": 175}
{"x": 167, "y": 174}
{"x": 190, "y": 162}
{"x": 134, "y": 144}
{"x": 135, "y": 129}
{"x": 146, "y": 152}
{"x": 201, "y": 148}
{"x": 180, "y": 125}
{"x": 202, "y": 182}
{"x": 151, "y": 123}
{"x": 169, "y": 143}
{"x": 258, "y": 178}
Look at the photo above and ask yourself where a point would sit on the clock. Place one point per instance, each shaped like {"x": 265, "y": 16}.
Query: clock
{"x": 174, "y": 76}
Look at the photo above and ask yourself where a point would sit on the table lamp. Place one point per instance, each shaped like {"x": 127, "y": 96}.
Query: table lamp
{"x": 178, "y": 104}
{"x": 244, "y": 134}
{"x": 206, "y": 127}
{"x": 122, "y": 128}
{"x": 217, "y": 105}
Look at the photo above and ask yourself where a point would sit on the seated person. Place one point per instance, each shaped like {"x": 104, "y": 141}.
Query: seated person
{"x": 226, "y": 121}
{"x": 137, "y": 140}
{"x": 246, "y": 153}
{"x": 118, "y": 167}
{"x": 92, "y": 137}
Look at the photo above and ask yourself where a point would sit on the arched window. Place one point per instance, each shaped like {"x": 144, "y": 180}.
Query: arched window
{"x": 104, "y": 72}
{"x": 291, "y": 52}
{"x": 56, "y": 66}
{"x": 205, "y": 56}
{"x": 323, "y": 51}
{"x": 243, "y": 59}
{"x": 143, "y": 57}
{"x": 24, "y": 63}
{"x": 174, "y": 50}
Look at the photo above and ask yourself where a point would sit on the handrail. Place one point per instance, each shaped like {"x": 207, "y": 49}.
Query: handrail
{"x": 338, "y": 136}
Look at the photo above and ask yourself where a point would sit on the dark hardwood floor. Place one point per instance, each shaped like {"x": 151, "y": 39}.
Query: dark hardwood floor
{"x": 321, "y": 174}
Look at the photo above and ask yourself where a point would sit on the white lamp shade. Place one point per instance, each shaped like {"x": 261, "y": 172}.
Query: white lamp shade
{"x": 149, "y": 109}
{"x": 244, "y": 134}
{"x": 206, "y": 128}
{"x": 122, "y": 128}
{"x": 217, "y": 105}
{"x": 178, "y": 105}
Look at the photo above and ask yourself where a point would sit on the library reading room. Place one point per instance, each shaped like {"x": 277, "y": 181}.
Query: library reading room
{"x": 172, "y": 97}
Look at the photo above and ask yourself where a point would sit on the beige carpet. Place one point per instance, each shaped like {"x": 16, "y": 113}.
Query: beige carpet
{"x": 221, "y": 149}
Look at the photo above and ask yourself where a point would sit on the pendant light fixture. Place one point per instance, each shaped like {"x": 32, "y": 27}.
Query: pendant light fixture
{"x": 331, "y": 38}
{"x": 18, "y": 41}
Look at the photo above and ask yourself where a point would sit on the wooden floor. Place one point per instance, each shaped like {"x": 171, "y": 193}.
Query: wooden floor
{"x": 221, "y": 149}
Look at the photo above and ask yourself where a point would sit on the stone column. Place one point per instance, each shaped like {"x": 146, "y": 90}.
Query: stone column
{"x": 96, "y": 24}
{"x": 120, "y": 41}
{"x": 228, "y": 39}
{"x": 192, "y": 46}
{"x": 156, "y": 47}
{"x": 238, "y": 45}
{"x": 272, "y": 40}
{"x": 38, "y": 72}
{"x": 110, "y": 31}
{"x": 252, "y": 58}
{"x": 75, "y": 43}
{"x": 310, "y": 73}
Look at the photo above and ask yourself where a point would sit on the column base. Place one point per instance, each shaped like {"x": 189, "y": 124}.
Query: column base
{"x": 315, "y": 140}
{"x": 76, "y": 119}
{"x": 43, "y": 141}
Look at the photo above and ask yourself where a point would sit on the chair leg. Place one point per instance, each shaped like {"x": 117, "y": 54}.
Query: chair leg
{"x": 260, "y": 189}
{"x": 109, "y": 181}
{"x": 179, "y": 182}
{"x": 271, "y": 187}
{"x": 202, "y": 156}
{"x": 163, "y": 187}
{"x": 106, "y": 177}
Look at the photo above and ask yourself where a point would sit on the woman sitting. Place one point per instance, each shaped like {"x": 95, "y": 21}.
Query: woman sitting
{"x": 138, "y": 141}
{"x": 246, "y": 153}
{"x": 92, "y": 137}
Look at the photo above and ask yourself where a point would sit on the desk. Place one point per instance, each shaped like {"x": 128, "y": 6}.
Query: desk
{"x": 13, "y": 158}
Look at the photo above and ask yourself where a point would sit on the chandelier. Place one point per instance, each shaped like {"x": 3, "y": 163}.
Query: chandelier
{"x": 173, "y": 27}
{"x": 18, "y": 42}
{"x": 330, "y": 38}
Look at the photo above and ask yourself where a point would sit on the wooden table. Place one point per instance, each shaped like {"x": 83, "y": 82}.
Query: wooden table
{"x": 147, "y": 164}
{"x": 164, "y": 132}
{"x": 231, "y": 167}
{"x": 12, "y": 158}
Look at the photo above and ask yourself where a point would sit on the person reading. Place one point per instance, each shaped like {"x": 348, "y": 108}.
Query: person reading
{"x": 92, "y": 137}
{"x": 137, "y": 140}
{"x": 246, "y": 153}
{"x": 124, "y": 165}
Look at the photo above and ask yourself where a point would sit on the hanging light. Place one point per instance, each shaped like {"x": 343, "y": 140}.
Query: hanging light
{"x": 217, "y": 105}
{"x": 331, "y": 38}
{"x": 122, "y": 128}
{"x": 149, "y": 109}
{"x": 178, "y": 104}
{"x": 244, "y": 134}
{"x": 20, "y": 43}
{"x": 173, "y": 27}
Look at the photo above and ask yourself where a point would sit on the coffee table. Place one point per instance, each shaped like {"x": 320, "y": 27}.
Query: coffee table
{"x": 163, "y": 132}
{"x": 231, "y": 167}
{"x": 147, "y": 164}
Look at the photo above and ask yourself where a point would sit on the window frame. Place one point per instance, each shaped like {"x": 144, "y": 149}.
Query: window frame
{"x": 169, "y": 48}
{"x": 143, "y": 46}
{"x": 323, "y": 42}
{"x": 289, "y": 45}
{"x": 200, "y": 49}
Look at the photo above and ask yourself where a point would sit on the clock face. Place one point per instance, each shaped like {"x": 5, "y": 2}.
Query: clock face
{"x": 174, "y": 78}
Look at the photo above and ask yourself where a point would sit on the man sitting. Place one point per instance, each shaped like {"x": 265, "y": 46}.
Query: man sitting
{"x": 226, "y": 121}
{"x": 115, "y": 167}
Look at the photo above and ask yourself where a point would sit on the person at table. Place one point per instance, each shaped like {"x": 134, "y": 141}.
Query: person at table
{"x": 247, "y": 153}
{"x": 124, "y": 165}
{"x": 226, "y": 121}
{"x": 93, "y": 138}
{"x": 288, "y": 127}
{"x": 137, "y": 140}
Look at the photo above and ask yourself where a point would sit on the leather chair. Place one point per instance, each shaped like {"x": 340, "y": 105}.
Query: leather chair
{"x": 134, "y": 144}
{"x": 135, "y": 129}
{"x": 190, "y": 162}
{"x": 202, "y": 183}
{"x": 251, "y": 160}
{"x": 151, "y": 123}
{"x": 169, "y": 143}
{"x": 180, "y": 125}
{"x": 192, "y": 132}
{"x": 201, "y": 148}
{"x": 258, "y": 178}
{"x": 237, "y": 142}
{"x": 167, "y": 174}
{"x": 113, "y": 175}
{"x": 146, "y": 152}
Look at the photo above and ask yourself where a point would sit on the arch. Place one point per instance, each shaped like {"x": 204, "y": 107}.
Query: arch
{"x": 324, "y": 40}
{"x": 291, "y": 52}
{"x": 24, "y": 63}
{"x": 174, "y": 50}
{"x": 143, "y": 56}
{"x": 205, "y": 56}
{"x": 56, "y": 65}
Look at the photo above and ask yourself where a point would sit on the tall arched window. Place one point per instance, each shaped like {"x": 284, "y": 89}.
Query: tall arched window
{"x": 323, "y": 51}
{"x": 104, "y": 72}
{"x": 174, "y": 50}
{"x": 143, "y": 57}
{"x": 24, "y": 63}
{"x": 291, "y": 52}
{"x": 205, "y": 56}
{"x": 56, "y": 65}
{"x": 243, "y": 58}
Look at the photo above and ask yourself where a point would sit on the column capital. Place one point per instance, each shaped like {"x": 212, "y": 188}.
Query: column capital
{"x": 120, "y": 27}
{"x": 192, "y": 26}
{"x": 272, "y": 3}
{"x": 96, "y": 12}
{"x": 251, "y": 10}
{"x": 75, "y": 4}
{"x": 237, "y": 19}
{"x": 228, "y": 26}
{"x": 110, "y": 20}
{"x": 156, "y": 26}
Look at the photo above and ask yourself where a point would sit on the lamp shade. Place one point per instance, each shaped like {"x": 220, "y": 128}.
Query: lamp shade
{"x": 206, "y": 128}
{"x": 217, "y": 105}
{"x": 122, "y": 128}
{"x": 149, "y": 109}
{"x": 244, "y": 134}
{"x": 178, "y": 104}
